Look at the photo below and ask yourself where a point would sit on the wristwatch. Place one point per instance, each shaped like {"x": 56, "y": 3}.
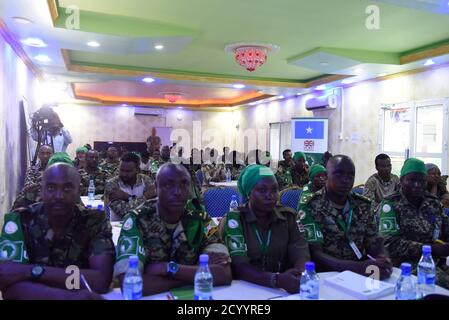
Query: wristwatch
{"x": 274, "y": 280}
{"x": 172, "y": 268}
{"x": 36, "y": 272}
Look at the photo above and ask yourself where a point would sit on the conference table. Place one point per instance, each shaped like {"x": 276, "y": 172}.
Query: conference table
{"x": 94, "y": 203}
{"x": 243, "y": 290}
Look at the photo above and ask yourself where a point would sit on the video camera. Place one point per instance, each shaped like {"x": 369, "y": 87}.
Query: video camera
{"x": 42, "y": 118}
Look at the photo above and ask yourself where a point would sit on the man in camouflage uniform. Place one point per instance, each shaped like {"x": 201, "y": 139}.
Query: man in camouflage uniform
{"x": 49, "y": 236}
{"x": 293, "y": 172}
{"x": 111, "y": 163}
{"x": 340, "y": 226}
{"x": 92, "y": 172}
{"x": 169, "y": 234}
{"x": 153, "y": 142}
{"x": 31, "y": 192}
{"x": 129, "y": 189}
{"x": 412, "y": 218}
{"x": 318, "y": 178}
{"x": 165, "y": 154}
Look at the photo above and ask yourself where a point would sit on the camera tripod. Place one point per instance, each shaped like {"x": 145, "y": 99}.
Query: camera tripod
{"x": 43, "y": 138}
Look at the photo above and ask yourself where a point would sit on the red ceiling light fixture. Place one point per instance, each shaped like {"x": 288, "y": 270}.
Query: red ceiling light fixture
{"x": 172, "y": 97}
{"x": 251, "y": 55}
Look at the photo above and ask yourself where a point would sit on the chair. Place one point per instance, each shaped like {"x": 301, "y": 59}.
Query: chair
{"x": 216, "y": 200}
{"x": 200, "y": 177}
{"x": 358, "y": 189}
{"x": 290, "y": 197}
{"x": 446, "y": 211}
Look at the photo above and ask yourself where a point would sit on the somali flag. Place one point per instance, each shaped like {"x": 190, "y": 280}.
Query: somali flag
{"x": 309, "y": 130}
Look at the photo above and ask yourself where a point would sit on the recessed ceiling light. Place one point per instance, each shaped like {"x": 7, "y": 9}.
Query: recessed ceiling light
{"x": 93, "y": 44}
{"x": 429, "y": 62}
{"x": 383, "y": 74}
{"x": 238, "y": 86}
{"x": 148, "y": 80}
{"x": 124, "y": 105}
{"x": 159, "y": 47}
{"x": 34, "y": 42}
{"x": 321, "y": 87}
{"x": 22, "y": 20}
{"x": 253, "y": 103}
{"x": 180, "y": 107}
{"x": 347, "y": 81}
{"x": 359, "y": 70}
{"x": 324, "y": 63}
{"x": 280, "y": 97}
{"x": 42, "y": 58}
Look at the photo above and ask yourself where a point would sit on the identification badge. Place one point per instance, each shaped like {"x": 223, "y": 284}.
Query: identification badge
{"x": 356, "y": 250}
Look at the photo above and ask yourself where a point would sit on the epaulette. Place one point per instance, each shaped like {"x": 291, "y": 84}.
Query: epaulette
{"x": 310, "y": 197}
{"x": 195, "y": 210}
{"x": 282, "y": 208}
{"x": 360, "y": 197}
{"x": 393, "y": 196}
{"x": 148, "y": 207}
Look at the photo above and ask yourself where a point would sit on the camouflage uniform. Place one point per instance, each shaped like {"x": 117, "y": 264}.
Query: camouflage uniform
{"x": 322, "y": 220}
{"x": 376, "y": 189}
{"x": 112, "y": 168}
{"x": 88, "y": 234}
{"x": 220, "y": 171}
{"x": 300, "y": 179}
{"x": 121, "y": 207}
{"x": 99, "y": 177}
{"x": 407, "y": 228}
{"x": 31, "y": 192}
{"x": 306, "y": 196}
{"x": 164, "y": 243}
{"x": 195, "y": 188}
{"x": 284, "y": 175}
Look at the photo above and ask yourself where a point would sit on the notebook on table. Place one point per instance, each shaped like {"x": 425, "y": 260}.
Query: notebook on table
{"x": 359, "y": 286}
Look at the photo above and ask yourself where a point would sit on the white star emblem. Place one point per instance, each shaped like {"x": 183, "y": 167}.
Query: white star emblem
{"x": 309, "y": 130}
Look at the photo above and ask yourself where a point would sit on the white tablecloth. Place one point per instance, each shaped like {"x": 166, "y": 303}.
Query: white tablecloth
{"x": 233, "y": 183}
{"x": 243, "y": 290}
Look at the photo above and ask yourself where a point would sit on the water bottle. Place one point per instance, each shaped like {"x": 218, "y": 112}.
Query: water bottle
{"x": 228, "y": 175}
{"x": 132, "y": 283}
{"x": 203, "y": 280}
{"x": 91, "y": 190}
{"x": 309, "y": 285}
{"x": 406, "y": 286}
{"x": 233, "y": 205}
{"x": 426, "y": 273}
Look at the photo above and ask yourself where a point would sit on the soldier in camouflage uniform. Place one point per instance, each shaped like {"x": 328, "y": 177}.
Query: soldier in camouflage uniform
{"x": 111, "y": 163}
{"x": 31, "y": 192}
{"x": 169, "y": 234}
{"x": 340, "y": 226}
{"x": 129, "y": 189}
{"x": 318, "y": 177}
{"x": 292, "y": 173}
{"x": 92, "y": 172}
{"x": 53, "y": 235}
{"x": 437, "y": 184}
{"x": 412, "y": 218}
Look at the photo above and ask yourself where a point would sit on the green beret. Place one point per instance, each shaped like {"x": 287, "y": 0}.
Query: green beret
{"x": 81, "y": 150}
{"x": 298, "y": 155}
{"x": 413, "y": 165}
{"x": 60, "y": 157}
{"x": 250, "y": 176}
{"x": 315, "y": 169}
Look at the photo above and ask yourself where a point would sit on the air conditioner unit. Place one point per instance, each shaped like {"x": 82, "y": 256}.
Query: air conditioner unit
{"x": 329, "y": 101}
{"x": 148, "y": 111}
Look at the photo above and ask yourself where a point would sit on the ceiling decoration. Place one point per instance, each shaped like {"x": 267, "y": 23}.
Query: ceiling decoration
{"x": 251, "y": 55}
{"x": 323, "y": 43}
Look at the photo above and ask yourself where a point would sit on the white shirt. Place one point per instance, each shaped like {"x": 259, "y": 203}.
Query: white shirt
{"x": 60, "y": 141}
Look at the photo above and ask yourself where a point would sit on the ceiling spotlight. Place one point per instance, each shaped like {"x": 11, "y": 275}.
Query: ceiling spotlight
{"x": 42, "y": 58}
{"x": 180, "y": 107}
{"x": 34, "y": 42}
{"x": 429, "y": 62}
{"x": 280, "y": 97}
{"x": 22, "y": 20}
{"x": 93, "y": 44}
{"x": 347, "y": 81}
{"x": 148, "y": 80}
{"x": 383, "y": 74}
{"x": 359, "y": 70}
{"x": 253, "y": 103}
{"x": 238, "y": 86}
{"x": 159, "y": 47}
{"x": 321, "y": 87}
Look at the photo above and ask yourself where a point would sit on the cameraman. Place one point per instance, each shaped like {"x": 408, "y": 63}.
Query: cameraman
{"x": 54, "y": 129}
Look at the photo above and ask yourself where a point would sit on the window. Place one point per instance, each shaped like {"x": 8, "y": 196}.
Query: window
{"x": 280, "y": 139}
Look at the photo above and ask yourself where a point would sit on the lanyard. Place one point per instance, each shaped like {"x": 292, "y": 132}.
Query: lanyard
{"x": 346, "y": 227}
{"x": 263, "y": 246}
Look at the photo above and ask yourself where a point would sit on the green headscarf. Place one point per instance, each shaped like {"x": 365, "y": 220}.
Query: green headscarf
{"x": 81, "y": 150}
{"x": 250, "y": 176}
{"x": 315, "y": 169}
{"x": 298, "y": 155}
{"x": 413, "y": 165}
{"x": 60, "y": 157}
